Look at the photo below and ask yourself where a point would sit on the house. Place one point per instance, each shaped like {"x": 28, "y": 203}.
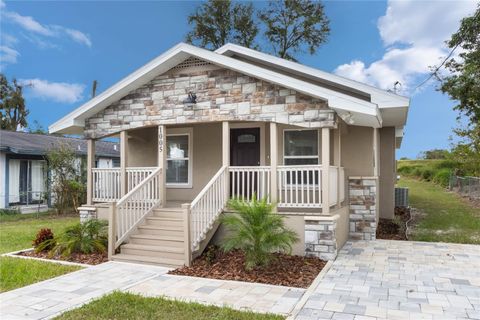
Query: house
{"x": 24, "y": 168}
{"x": 197, "y": 127}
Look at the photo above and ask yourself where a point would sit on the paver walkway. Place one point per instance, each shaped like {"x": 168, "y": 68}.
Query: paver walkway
{"x": 235, "y": 294}
{"x": 49, "y": 298}
{"x": 399, "y": 280}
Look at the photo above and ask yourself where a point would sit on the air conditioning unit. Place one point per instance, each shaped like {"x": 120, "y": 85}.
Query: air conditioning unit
{"x": 401, "y": 197}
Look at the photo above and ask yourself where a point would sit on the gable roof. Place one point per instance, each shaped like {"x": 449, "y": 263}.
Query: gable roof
{"x": 366, "y": 113}
{"x": 40, "y": 144}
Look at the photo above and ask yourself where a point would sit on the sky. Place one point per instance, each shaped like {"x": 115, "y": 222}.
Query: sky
{"x": 57, "y": 48}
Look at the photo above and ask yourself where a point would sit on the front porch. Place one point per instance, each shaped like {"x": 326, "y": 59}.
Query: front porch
{"x": 285, "y": 164}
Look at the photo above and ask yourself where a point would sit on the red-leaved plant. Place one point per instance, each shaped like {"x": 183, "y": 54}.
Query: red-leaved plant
{"x": 42, "y": 236}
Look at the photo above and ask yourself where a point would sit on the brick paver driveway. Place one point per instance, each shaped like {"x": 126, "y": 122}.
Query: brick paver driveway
{"x": 399, "y": 280}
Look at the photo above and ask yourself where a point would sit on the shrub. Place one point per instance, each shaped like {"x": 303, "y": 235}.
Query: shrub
{"x": 44, "y": 235}
{"x": 87, "y": 237}
{"x": 8, "y": 212}
{"x": 257, "y": 231}
{"x": 442, "y": 177}
{"x": 427, "y": 174}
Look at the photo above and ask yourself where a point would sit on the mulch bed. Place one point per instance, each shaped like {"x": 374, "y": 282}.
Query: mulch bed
{"x": 93, "y": 258}
{"x": 394, "y": 229}
{"x": 284, "y": 270}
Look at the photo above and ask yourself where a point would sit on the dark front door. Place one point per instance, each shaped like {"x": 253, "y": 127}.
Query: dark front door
{"x": 244, "y": 151}
{"x": 245, "y": 147}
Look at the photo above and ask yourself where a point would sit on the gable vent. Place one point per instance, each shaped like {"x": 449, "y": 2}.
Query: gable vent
{"x": 191, "y": 62}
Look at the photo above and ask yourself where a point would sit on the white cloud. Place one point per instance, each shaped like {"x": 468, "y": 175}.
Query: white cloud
{"x": 56, "y": 91}
{"x": 7, "y": 56}
{"x": 413, "y": 33}
{"x": 34, "y": 27}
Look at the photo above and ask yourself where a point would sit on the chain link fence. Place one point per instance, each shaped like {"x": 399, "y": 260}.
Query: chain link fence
{"x": 466, "y": 186}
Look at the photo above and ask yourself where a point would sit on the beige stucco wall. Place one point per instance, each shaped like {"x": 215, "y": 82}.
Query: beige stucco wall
{"x": 293, "y": 222}
{"x": 387, "y": 173}
{"x": 207, "y": 159}
{"x": 341, "y": 232}
{"x": 357, "y": 151}
{"x": 142, "y": 147}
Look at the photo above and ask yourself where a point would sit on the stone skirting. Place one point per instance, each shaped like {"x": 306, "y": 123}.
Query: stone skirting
{"x": 221, "y": 95}
{"x": 362, "y": 193}
{"x": 87, "y": 213}
{"x": 320, "y": 238}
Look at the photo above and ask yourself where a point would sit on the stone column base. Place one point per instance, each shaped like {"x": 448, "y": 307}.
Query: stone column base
{"x": 87, "y": 213}
{"x": 362, "y": 193}
{"x": 320, "y": 238}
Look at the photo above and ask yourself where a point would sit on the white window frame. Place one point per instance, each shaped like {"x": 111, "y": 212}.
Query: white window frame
{"x": 301, "y": 157}
{"x": 182, "y": 132}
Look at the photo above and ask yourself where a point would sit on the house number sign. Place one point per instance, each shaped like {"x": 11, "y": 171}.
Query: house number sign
{"x": 160, "y": 139}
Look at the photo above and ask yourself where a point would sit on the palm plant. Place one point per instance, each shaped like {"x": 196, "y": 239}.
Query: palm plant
{"x": 257, "y": 231}
{"x": 87, "y": 237}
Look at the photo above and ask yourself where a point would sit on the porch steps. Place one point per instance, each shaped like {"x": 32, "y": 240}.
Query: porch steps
{"x": 158, "y": 241}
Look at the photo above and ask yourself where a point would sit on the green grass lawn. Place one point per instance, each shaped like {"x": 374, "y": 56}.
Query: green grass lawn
{"x": 16, "y": 273}
{"x": 448, "y": 218}
{"x": 17, "y": 232}
{"x": 129, "y": 306}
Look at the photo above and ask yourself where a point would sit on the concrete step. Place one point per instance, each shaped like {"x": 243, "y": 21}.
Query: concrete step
{"x": 156, "y": 240}
{"x": 172, "y": 263}
{"x": 168, "y": 222}
{"x": 167, "y": 213}
{"x": 161, "y": 231}
{"x": 153, "y": 251}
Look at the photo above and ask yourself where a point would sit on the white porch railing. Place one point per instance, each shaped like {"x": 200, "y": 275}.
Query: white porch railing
{"x": 246, "y": 181}
{"x": 135, "y": 175}
{"x": 299, "y": 186}
{"x": 107, "y": 181}
{"x": 206, "y": 207}
{"x": 106, "y": 184}
{"x": 132, "y": 208}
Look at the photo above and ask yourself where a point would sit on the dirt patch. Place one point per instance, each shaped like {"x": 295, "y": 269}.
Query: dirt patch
{"x": 394, "y": 229}
{"x": 93, "y": 258}
{"x": 285, "y": 270}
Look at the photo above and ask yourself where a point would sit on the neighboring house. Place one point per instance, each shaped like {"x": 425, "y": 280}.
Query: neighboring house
{"x": 24, "y": 169}
{"x": 197, "y": 127}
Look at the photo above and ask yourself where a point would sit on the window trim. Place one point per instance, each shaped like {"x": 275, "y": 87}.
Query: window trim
{"x": 182, "y": 132}
{"x": 284, "y": 157}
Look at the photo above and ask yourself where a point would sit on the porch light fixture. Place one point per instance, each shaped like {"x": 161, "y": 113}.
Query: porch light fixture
{"x": 347, "y": 117}
{"x": 192, "y": 98}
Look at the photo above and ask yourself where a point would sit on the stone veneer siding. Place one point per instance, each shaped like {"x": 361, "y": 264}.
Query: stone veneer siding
{"x": 320, "y": 240}
{"x": 87, "y": 213}
{"x": 363, "y": 213}
{"x": 222, "y": 95}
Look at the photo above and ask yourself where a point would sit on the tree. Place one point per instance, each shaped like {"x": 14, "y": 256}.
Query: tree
{"x": 66, "y": 183}
{"x": 295, "y": 25}
{"x": 257, "y": 231}
{"x": 463, "y": 85}
{"x": 37, "y": 128}
{"x": 217, "y": 22}
{"x": 13, "y": 112}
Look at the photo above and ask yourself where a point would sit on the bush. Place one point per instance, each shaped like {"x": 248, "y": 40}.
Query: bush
{"x": 427, "y": 174}
{"x": 87, "y": 237}
{"x": 8, "y": 212}
{"x": 442, "y": 177}
{"x": 44, "y": 235}
{"x": 257, "y": 231}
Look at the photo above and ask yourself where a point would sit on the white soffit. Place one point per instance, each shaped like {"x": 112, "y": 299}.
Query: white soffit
{"x": 365, "y": 113}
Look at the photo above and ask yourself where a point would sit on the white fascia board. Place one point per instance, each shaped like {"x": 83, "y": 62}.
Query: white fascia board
{"x": 180, "y": 52}
{"x": 381, "y": 97}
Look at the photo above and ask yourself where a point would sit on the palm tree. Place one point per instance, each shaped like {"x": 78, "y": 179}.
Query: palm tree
{"x": 257, "y": 231}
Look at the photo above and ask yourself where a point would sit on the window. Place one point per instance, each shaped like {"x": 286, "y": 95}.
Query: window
{"x": 300, "y": 147}
{"x": 27, "y": 182}
{"x": 179, "y": 160}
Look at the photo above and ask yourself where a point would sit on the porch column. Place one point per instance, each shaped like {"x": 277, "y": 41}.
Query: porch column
{"x": 123, "y": 163}
{"x": 90, "y": 166}
{"x": 162, "y": 163}
{"x": 325, "y": 170}
{"x": 340, "y": 183}
{"x": 273, "y": 162}
{"x": 226, "y": 154}
{"x": 376, "y": 153}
